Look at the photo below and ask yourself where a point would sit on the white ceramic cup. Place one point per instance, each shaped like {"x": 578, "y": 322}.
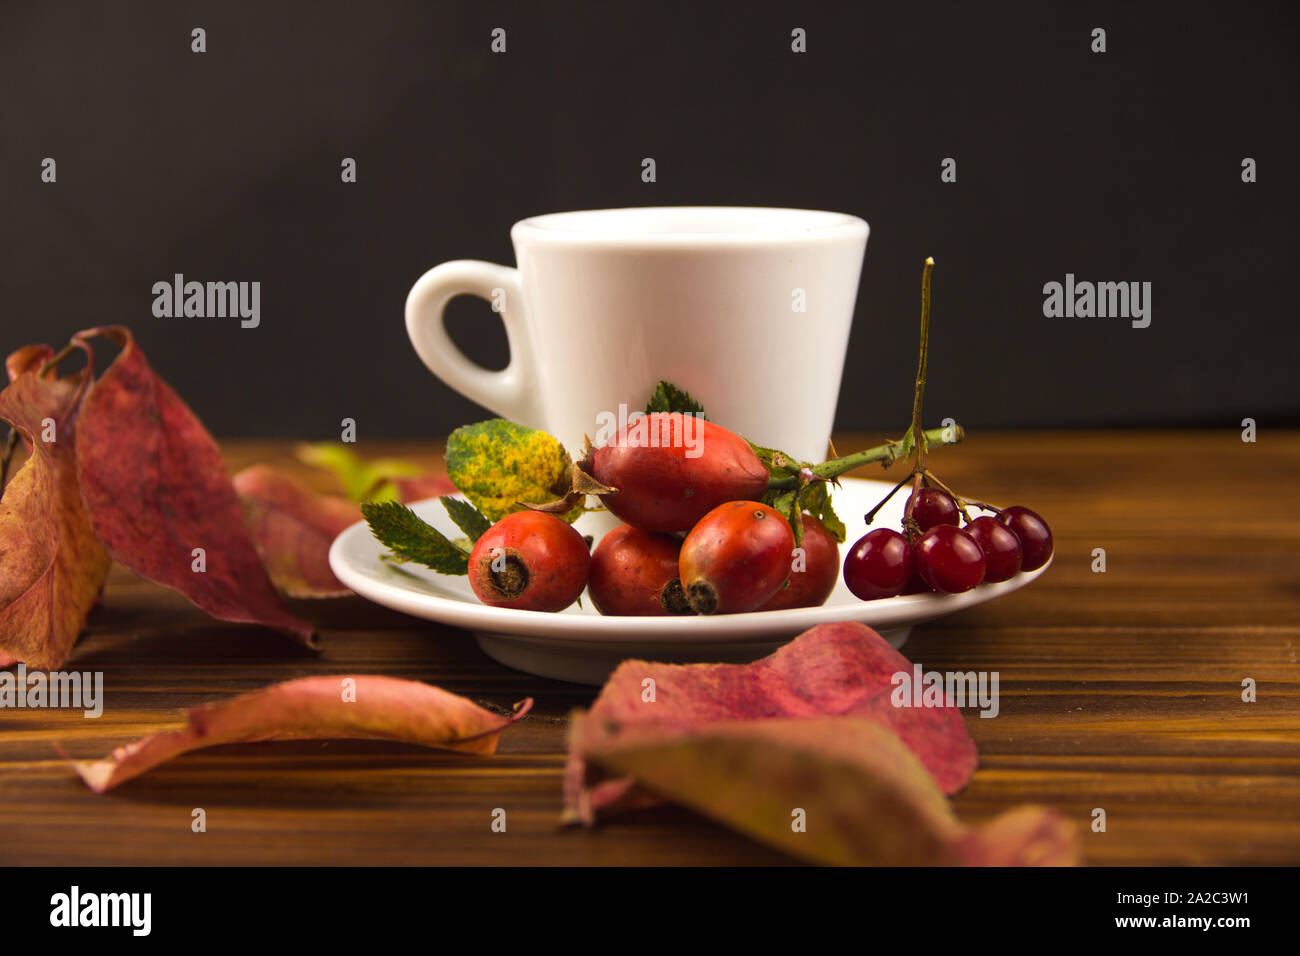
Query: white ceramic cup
{"x": 748, "y": 309}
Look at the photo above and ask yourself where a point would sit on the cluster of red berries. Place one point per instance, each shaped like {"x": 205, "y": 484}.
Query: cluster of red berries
{"x": 935, "y": 553}
{"x": 696, "y": 537}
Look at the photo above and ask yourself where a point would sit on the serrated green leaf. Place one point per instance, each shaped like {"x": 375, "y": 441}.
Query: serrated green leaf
{"x": 816, "y": 500}
{"x": 468, "y": 518}
{"x": 668, "y": 397}
{"x": 402, "y": 531}
{"x": 497, "y": 464}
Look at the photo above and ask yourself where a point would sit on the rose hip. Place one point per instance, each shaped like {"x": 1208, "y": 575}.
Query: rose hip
{"x": 811, "y": 586}
{"x": 670, "y": 470}
{"x": 879, "y": 565}
{"x": 531, "y": 561}
{"x": 735, "y": 558}
{"x": 634, "y": 572}
{"x": 1001, "y": 548}
{"x": 1034, "y": 534}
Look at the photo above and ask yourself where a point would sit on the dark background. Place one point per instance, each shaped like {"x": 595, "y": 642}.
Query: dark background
{"x": 225, "y": 166}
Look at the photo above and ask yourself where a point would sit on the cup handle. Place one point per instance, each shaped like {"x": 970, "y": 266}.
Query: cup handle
{"x": 510, "y": 392}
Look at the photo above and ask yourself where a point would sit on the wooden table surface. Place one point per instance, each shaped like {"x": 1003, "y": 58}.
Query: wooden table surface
{"x": 1120, "y": 690}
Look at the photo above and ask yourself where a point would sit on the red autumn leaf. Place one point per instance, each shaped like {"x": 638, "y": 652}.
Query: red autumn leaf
{"x": 425, "y": 486}
{"x": 315, "y": 708}
{"x": 51, "y": 566}
{"x": 292, "y": 528}
{"x": 156, "y": 489}
{"x": 859, "y": 792}
{"x": 840, "y": 669}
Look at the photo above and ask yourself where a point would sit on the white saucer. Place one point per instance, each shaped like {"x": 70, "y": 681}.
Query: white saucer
{"x": 580, "y": 645}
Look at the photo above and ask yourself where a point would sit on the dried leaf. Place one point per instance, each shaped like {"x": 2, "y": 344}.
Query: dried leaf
{"x": 315, "y": 708}
{"x": 51, "y": 566}
{"x": 292, "y": 528}
{"x": 156, "y": 490}
{"x": 833, "y": 790}
{"x": 842, "y": 669}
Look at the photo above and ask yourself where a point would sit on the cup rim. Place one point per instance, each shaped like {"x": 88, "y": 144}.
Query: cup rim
{"x": 561, "y": 227}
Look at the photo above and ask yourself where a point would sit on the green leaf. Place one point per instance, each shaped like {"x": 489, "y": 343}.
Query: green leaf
{"x": 778, "y": 463}
{"x": 468, "y": 518}
{"x": 497, "y": 464}
{"x": 816, "y": 500}
{"x": 402, "y": 531}
{"x": 361, "y": 480}
{"x": 669, "y": 398}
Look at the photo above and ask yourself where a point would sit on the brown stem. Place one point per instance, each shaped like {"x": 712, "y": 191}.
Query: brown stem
{"x": 922, "y": 363}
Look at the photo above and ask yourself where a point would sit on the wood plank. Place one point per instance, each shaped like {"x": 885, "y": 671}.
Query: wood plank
{"x": 1119, "y": 690}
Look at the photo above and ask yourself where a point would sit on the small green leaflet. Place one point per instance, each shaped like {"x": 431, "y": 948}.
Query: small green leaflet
{"x": 669, "y": 398}
{"x": 497, "y": 464}
{"x": 400, "y": 530}
{"x": 468, "y": 518}
{"x": 816, "y": 500}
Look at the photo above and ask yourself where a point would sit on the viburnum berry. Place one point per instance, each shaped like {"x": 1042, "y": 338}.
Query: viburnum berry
{"x": 949, "y": 559}
{"x": 1034, "y": 534}
{"x": 930, "y": 507}
{"x": 879, "y": 565}
{"x": 1000, "y": 546}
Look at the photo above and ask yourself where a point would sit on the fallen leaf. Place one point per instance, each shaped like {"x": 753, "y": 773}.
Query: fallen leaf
{"x": 51, "y": 566}
{"x": 315, "y": 708}
{"x": 156, "y": 490}
{"x": 292, "y": 528}
{"x": 837, "y": 669}
{"x": 832, "y": 790}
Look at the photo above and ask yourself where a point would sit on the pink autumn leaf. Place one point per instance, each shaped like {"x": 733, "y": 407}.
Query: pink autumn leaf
{"x": 315, "y": 708}
{"x": 837, "y": 669}
{"x": 433, "y": 485}
{"x": 292, "y": 528}
{"x": 159, "y": 499}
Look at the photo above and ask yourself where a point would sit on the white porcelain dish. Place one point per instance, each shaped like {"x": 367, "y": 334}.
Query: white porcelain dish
{"x": 583, "y": 646}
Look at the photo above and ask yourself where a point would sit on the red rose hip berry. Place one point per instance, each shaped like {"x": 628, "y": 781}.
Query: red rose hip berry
{"x": 1034, "y": 534}
{"x": 531, "y": 561}
{"x": 735, "y": 558}
{"x": 811, "y": 581}
{"x": 1000, "y": 546}
{"x": 634, "y": 572}
{"x": 949, "y": 559}
{"x": 879, "y": 565}
{"x": 670, "y": 470}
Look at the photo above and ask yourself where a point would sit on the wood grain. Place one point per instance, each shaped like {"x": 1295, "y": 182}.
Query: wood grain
{"x": 1119, "y": 690}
